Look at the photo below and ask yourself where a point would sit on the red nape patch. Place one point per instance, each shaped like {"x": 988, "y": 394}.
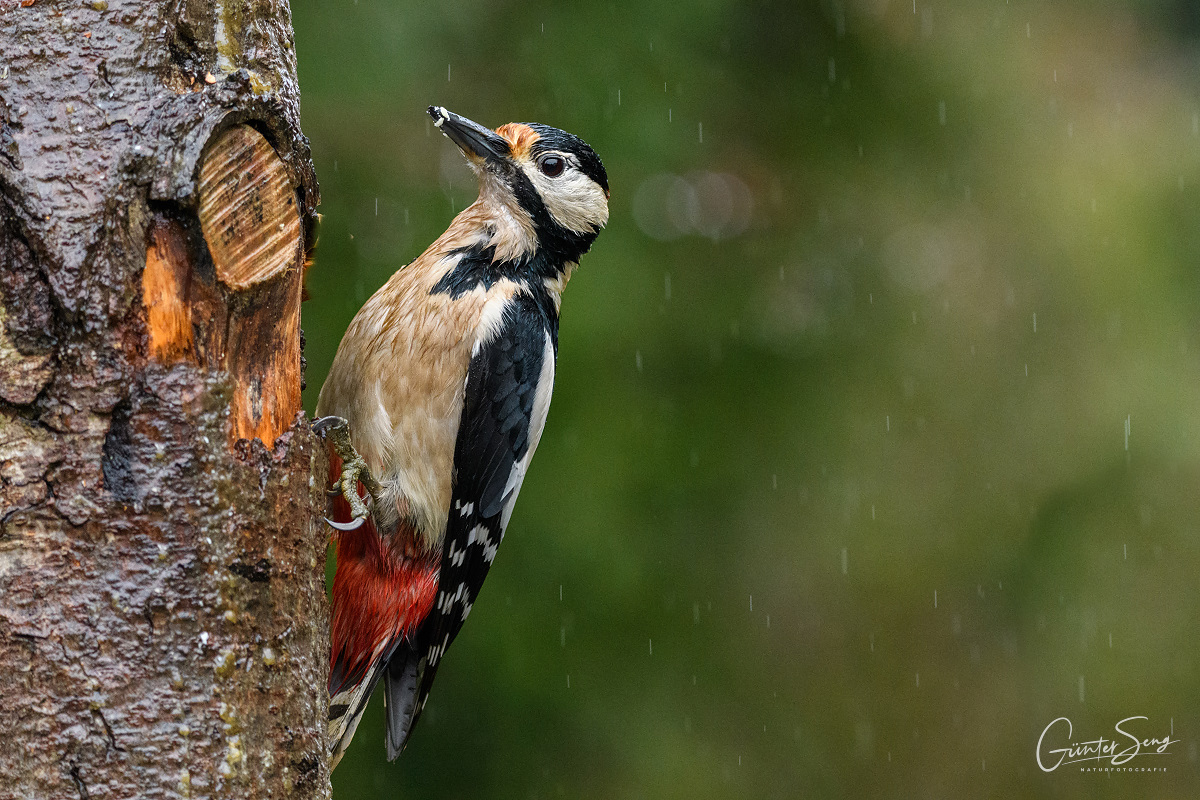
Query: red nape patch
{"x": 377, "y": 595}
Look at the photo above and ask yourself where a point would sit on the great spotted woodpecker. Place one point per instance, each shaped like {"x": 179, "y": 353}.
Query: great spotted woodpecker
{"x": 434, "y": 405}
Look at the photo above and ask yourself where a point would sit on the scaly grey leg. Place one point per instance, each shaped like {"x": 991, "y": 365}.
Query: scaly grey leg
{"x": 336, "y": 431}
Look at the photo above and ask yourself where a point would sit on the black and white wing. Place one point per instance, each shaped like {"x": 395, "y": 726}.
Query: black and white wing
{"x": 508, "y": 389}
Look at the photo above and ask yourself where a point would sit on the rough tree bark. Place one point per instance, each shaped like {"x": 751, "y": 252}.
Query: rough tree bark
{"x": 163, "y": 627}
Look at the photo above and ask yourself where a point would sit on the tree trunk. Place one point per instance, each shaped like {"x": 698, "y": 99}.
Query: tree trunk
{"x": 163, "y": 623}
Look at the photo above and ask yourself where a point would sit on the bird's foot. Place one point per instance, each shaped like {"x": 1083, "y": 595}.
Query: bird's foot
{"x": 336, "y": 431}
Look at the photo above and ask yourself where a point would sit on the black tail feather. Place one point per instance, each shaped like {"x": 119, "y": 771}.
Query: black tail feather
{"x": 401, "y": 680}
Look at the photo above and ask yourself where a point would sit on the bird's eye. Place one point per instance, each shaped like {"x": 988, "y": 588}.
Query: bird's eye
{"x": 552, "y": 166}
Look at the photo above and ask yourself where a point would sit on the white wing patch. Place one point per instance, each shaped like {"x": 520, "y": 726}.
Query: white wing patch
{"x": 491, "y": 318}
{"x": 537, "y": 422}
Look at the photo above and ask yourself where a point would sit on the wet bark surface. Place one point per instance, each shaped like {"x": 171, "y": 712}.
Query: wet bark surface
{"x": 163, "y": 622}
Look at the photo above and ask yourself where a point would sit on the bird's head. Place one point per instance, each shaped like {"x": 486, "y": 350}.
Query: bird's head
{"x": 550, "y": 181}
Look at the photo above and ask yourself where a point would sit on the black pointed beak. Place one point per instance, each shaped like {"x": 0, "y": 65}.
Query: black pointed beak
{"x": 472, "y": 138}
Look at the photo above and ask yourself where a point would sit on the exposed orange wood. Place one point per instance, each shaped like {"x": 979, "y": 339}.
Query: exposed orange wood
{"x": 263, "y": 358}
{"x": 164, "y": 292}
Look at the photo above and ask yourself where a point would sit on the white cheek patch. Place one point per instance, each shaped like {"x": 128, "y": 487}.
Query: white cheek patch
{"x": 574, "y": 200}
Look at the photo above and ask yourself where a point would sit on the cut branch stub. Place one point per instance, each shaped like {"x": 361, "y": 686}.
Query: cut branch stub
{"x": 246, "y": 320}
{"x": 247, "y": 209}
{"x": 249, "y": 219}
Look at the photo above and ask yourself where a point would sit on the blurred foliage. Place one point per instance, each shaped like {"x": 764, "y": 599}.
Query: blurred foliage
{"x": 852, "y": 503}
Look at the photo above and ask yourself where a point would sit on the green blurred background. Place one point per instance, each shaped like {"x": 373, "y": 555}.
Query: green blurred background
{"x": 875, "y": 445}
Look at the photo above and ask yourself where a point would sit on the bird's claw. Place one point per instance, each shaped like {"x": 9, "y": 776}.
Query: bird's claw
{"x": 336, "y": 431}
{"x": 346, "y": 526}
{"x": 324, "y": 426}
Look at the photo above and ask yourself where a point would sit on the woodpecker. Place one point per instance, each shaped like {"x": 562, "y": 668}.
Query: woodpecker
{"x": 434, "y": 406}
